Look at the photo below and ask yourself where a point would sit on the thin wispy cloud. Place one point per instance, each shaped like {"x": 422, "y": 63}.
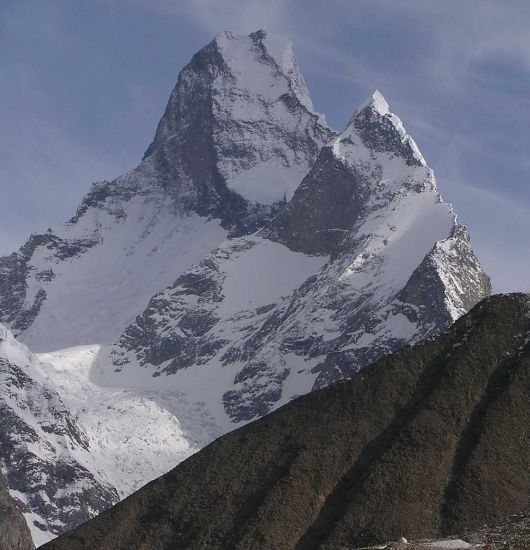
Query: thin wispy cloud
{"x": 214, "y": 16}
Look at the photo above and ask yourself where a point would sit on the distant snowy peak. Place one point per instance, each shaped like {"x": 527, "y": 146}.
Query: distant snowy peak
{"x": 381, "y": 131}
{"x": 239, "y": 127}
{"x": 359, "y": 172}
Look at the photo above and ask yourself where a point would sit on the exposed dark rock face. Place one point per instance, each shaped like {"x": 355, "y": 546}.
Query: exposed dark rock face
{"x": 188, "y": 303}
{"x": 44, "y": 453}
{"x": 323, "y": 209}
{"x": 14, "y": 533}
{"x": 338, "y": 190}
{"x": 432, "y": 282}
{"x": 430, "y": 441}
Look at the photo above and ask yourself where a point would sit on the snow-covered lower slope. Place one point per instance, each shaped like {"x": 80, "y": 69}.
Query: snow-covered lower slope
{"x": 45, "y": 455}
{"x": 71, "y": 448}
{"x": 134, "y": 435}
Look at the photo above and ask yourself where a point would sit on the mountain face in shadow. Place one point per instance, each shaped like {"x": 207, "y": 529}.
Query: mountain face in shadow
{"x": 14, "y": 533}
{"x": 429, "y": 441}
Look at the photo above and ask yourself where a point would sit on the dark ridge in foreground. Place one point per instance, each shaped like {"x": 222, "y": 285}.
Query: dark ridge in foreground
{"x": 511, "y": 533}
{"x": 430, "y": 441}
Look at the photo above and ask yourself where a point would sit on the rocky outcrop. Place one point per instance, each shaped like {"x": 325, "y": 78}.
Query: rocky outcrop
{"x": 15, "y": 270}
{"x": 448, "y": 276}
{"x": 324, "y": 208}
{"x": 14, "y": 533}
{"x": 428, "y": 442}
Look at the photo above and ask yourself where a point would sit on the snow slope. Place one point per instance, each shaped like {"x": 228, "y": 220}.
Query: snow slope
{"x": 71, "y": 448}
{"x": 129, "y": 457}
{"x": 96, "y": 293}
{"x": 198, "y": 318}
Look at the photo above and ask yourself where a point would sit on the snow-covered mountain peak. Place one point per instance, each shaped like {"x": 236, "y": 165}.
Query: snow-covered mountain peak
{"x": 248, "y": 56}
{"x": 361, "y": 175}
{"x": 239, "y": 126}
{"x": 235, "y": 139}
{"x": 375, "y": 128}
{"x": 376, "y": 102}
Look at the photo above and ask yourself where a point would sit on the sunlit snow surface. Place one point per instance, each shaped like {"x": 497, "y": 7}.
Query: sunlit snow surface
{"x": 96, "y": 294}
{"x": 253, "y": 115}
{"x": 134, "y": 435}
{"x": 130, "y": 436}
{"x": 46, "y": 439}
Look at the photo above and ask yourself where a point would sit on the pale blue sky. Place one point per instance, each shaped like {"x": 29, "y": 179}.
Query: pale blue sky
{"x": 83, "y": 84}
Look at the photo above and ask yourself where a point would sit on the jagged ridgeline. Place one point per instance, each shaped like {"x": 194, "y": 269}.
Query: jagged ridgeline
{"x": 430, "y": 441}
{"x": 252, "y": 256}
